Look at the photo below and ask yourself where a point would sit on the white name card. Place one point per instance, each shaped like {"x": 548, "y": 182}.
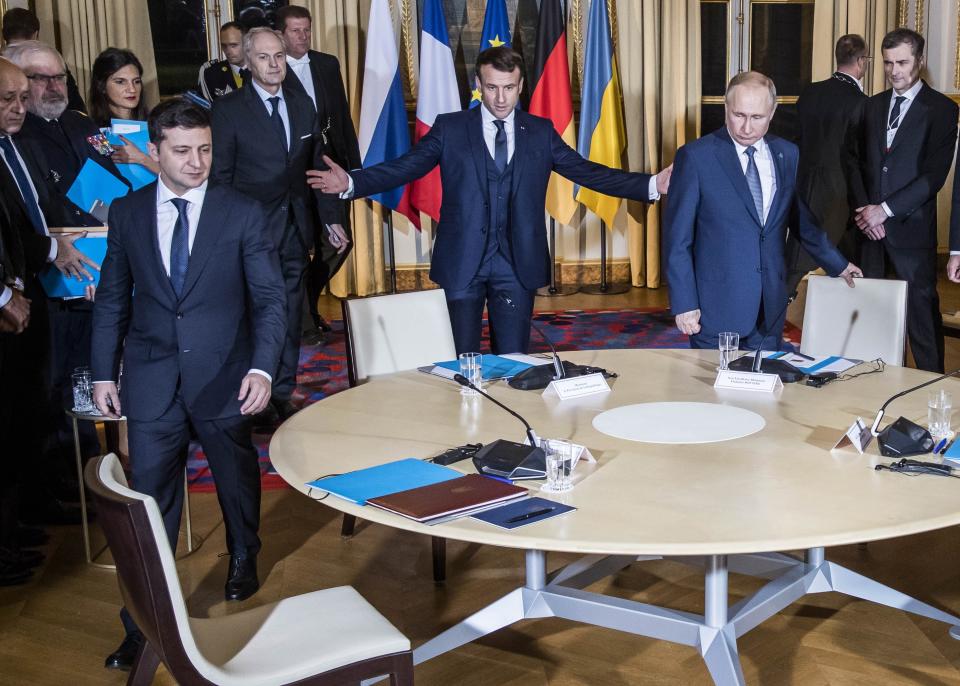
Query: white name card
{"x": 858, "y": 435}
{"x": 747, "y": 381}
{"x": 578, "y": 386}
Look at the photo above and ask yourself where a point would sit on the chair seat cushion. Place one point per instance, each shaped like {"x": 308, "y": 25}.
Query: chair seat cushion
{"x": 293, "y": 638}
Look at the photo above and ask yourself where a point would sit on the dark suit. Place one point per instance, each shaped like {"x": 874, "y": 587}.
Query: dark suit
{"x": 216, "y": 79}
{"x": 184, "y": 358}
{"x": 720, "y": 258}
{"x": 62, "y": 146}
{"x": 249, "y": 156}
{"x": 907, "y": 177}
{"x": 336, "y": 126}
{"x": 828, "y": 176}
{"x": 462, "y": 255}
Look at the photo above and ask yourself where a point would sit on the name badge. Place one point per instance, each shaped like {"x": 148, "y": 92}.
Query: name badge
{"x": 578, "y": 386}
{"x": 858, "y": 435}
{"x": 748, "y": 381}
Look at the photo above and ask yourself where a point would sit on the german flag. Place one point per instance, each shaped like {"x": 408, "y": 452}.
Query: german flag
{"x": 551, "y": 98}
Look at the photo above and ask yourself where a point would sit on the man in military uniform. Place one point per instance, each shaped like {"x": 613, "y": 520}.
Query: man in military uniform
{"x": 219, "y": 77}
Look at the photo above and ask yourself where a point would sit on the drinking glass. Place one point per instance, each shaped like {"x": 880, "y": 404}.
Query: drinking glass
{"x": 559, "y": 464}
{"x": 939, "y": 410}
{"x": 729, "y": 343}
{"x": 471, "y": 368}
{"x": 82, "y": 390}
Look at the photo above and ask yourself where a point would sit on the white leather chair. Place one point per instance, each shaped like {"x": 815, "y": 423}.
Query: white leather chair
{"x": 862, "y": 323}
{"x": 329, "y": 637}
{"x": 392, "y": 333}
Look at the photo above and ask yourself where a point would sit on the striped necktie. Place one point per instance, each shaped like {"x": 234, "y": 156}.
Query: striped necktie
{"x": 753, "y": 182}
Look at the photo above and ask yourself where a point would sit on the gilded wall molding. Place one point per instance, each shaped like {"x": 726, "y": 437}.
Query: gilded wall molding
{"x": 918, "y": 17}
{"x": 577, "y": 14}
{"x": 406, "y": 35}
{"x": 901, "y": 12}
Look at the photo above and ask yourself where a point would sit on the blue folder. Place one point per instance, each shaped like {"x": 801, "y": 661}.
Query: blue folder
{"x": 95, "y": 183}
{"x": 361, "y": 485}
{"x": 57, "y": 285}
{"x": 138, "y": 175}
{"x": 493, "y": 367}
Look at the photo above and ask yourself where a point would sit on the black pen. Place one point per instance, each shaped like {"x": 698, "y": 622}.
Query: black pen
{"x": 947, "y": 447}
{"x": 529, "y": 515}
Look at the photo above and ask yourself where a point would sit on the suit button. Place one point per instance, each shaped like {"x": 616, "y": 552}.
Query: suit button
{"x": 884, "y": 170}
{"x": 483, "y": 230}
{"x": 283, "y": 208}
{"x": 759, "y": 270}
{"x": 179, "y": 315}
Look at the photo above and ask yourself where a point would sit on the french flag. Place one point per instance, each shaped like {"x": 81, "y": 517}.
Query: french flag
{"x": 438, "y": 95}
{"x": 383, "y": 118}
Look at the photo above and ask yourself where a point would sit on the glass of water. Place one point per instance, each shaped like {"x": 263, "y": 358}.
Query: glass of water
{"x": 939, "y": 410}
{"x": 559, "y": 463}
{"x": 82, "y": 390}
{"x": 729, "y": 343}
{"x": 471, "y": 368}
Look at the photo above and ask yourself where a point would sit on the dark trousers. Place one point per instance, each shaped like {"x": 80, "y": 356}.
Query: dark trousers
{"x": 324, "y": 265}
{"x": 158, "y": 458}
{"x": 918, "y": 267}
{"x": 770, "y": 337}
{"x": 293, "y": 267}
{"x": 509, "y": 305}
{"x": 70, "y": 330}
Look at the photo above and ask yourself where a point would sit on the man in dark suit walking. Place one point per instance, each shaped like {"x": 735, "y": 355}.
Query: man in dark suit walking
{"x": 198, "y": 343}
{"x": 911, "y": 134}
{"x": 317, "y": 74}
{"x": 732, "y": 196}
{"x": 263, "y": 140}
{"x": 828, "y": 175}
{"x": 495, "y": 162}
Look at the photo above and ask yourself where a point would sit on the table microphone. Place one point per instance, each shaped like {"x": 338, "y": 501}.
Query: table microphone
{"x": 786, "y": 371}
{"x": 507, "y": 458}
{"x": 903, "y": 437}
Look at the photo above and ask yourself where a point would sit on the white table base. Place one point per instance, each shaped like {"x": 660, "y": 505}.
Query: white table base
{"x": 714, "y": 635}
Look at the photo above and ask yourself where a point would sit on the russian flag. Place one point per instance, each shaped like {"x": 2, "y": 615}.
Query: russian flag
{"x": 496, "y": 32}
{"x": 383, "y": 118}
{"x": 438, "y": 95}
{"x": 602, "y": 134}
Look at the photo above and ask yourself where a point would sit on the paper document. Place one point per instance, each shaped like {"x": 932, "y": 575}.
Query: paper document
{"x": 821, "y": 363}
{"x": 494, "y": 367}
{"x": 135, "y": 132}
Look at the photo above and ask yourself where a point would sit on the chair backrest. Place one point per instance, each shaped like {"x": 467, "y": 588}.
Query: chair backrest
{"x": 863, "y": 323}
{"x": 146, "y": 568}
{"x": 392, "y": 333}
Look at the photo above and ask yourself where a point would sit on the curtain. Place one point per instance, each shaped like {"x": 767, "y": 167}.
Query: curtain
{"x": 660, "y": 71}
{"x": 82, "y": 29}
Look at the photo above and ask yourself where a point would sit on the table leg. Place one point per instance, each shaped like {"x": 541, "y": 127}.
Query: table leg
{"x": 186, "y": 511}
{"x": 84, "y": 525}
{"x": 718, "y": 642}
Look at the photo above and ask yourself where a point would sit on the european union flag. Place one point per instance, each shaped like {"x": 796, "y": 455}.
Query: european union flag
{"x": 496, "y": 32}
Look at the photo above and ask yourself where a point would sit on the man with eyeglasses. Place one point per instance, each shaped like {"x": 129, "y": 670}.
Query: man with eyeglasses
{"x": 61, "y": 136}
{"x": 829, "y": 179}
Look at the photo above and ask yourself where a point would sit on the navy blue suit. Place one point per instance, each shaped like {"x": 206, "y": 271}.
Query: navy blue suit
{"x": 184, "y": 358}
{"x": 720, "y": 258}
{"x": 461, "y": 260}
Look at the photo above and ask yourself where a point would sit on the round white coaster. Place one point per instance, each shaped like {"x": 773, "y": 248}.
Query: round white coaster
{"x": 678, "y": 422}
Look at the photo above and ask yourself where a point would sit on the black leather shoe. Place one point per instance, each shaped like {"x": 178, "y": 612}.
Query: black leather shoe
{"x": 31, "y": 537}
{"x": 323, "y": 324}
{"x": 242, "y": 579}
{"x": 14, "y": 574}
{"x": 123, "y": 657}
{"x": 51, "y": 512}
{"x": 27, "y": 559}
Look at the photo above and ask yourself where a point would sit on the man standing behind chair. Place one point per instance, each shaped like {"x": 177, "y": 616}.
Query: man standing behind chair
{"x": 262, "y": 144}
{"x": 828, "y": 176}
{"x": 198, "y": 343}
{"x": 495, "y": 162}
{"x": 911, "y": 133}
{"x": 732, "y": 196}
{"x": 317, "y": 75}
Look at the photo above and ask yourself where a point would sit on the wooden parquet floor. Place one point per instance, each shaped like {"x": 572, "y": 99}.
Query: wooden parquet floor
{"x": 56, "y": 630}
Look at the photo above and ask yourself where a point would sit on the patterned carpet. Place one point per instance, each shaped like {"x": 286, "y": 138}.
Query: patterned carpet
{"x": 323, "y": 368}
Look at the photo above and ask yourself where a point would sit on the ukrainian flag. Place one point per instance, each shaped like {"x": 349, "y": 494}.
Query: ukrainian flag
{"x": 496, "y": 32}
{"x": 602, "y": 136}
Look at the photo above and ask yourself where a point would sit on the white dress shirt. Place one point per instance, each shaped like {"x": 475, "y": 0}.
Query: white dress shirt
{"x": 282, "y": 106}
{"x": 167, "y": 216}
{"x": 33, "y": 189}
{"x": 301, "y": 68}
{"x": 768, "y": 175}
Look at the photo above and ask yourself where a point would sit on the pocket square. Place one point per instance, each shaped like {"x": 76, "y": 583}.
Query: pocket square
{"x": 306, "y": 136}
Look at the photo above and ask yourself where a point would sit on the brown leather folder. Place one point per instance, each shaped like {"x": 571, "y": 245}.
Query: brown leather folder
{"x": 459, "y": 496}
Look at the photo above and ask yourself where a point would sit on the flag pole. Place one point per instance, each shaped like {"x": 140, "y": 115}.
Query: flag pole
{"x": 553, "y": 290}
{"x": 391, "y": 255}
{"x": 604, "y": 288}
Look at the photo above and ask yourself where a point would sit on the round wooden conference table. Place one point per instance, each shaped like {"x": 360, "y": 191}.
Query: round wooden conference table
{"x": 734, "y": 505}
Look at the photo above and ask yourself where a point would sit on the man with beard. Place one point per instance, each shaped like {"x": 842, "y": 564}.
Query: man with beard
{"x": 58, "y": 135}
